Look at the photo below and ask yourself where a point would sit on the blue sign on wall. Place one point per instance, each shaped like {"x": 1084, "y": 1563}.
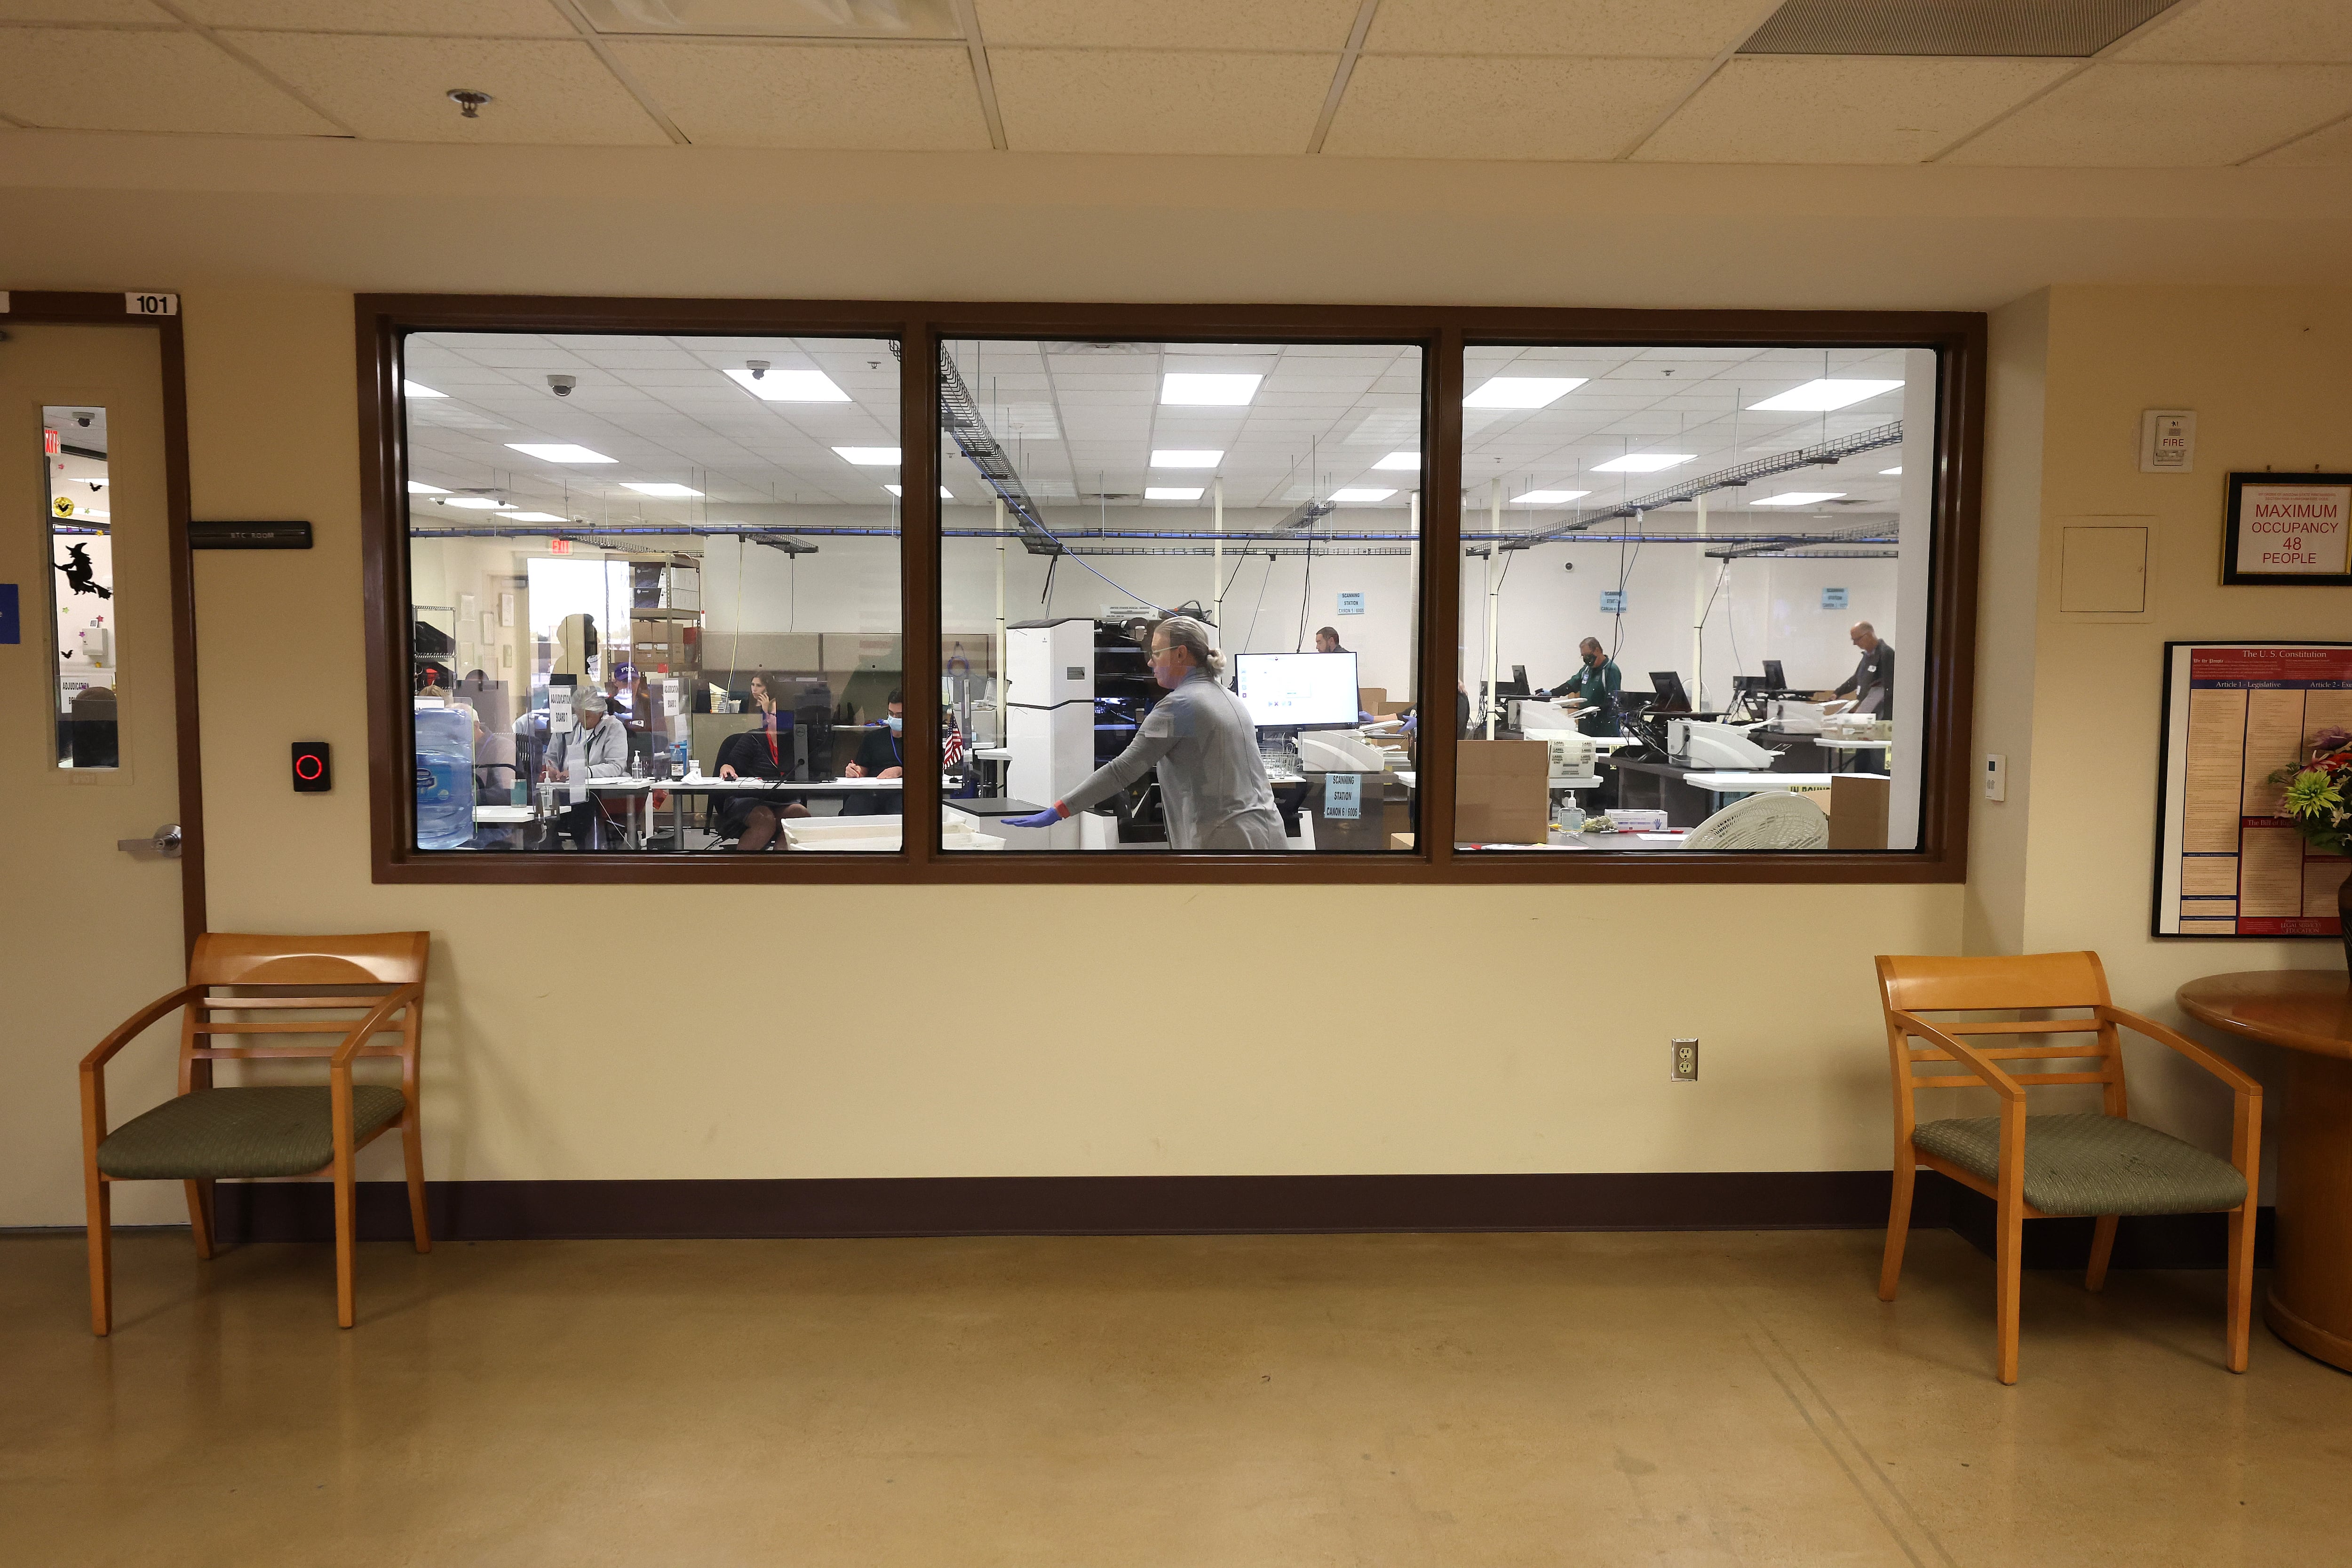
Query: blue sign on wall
{"x": 1351, "y": 603}
{"x": 9, "y": 630}
{"x": 1833, "y": 598}
{"x": 1613, "y": 601}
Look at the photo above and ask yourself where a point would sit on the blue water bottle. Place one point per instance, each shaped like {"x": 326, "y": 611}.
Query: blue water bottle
{"x": 444, "y": 778}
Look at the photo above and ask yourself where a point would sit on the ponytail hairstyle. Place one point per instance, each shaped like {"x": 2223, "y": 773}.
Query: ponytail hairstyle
{"x": 1184, "y": 632}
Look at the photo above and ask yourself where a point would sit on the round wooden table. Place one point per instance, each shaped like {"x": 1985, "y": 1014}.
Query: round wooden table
{"x": 2308, "y": 1011}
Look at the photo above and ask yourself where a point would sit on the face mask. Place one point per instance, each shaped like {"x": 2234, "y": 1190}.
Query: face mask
{"x": 898, "y": 724}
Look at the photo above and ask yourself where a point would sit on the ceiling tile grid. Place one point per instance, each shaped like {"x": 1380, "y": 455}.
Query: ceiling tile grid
{"x": 459, "y": 18}
{"x": 1135, "y": 101}
{"x": 2212, "y": 32}
{"x": 2327, "y": 149}
{"x": 1662, "y": 29}
{"x": 395, "y": 89}
{"x": 852, "y": 96}
{"x": 2165, "y": 116}
{"x": 171, "y": 82}
{"x": 1424, "y": 106}
{"x": 1226, "y": 25}
{"x": 1832, "y": 110}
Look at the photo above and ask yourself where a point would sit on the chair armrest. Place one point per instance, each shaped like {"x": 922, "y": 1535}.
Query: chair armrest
{"x": 137, "y": 1025}
{"x": 2187, "y": 1047}
{"x": 373, "y": 1025}
{"x": 1976, "y": 1061}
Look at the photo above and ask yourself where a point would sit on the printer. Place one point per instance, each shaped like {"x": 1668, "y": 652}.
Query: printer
{"x": 1701, "y": 743}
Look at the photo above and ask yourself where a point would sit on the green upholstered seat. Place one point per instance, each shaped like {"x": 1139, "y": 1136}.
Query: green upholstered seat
{"x": 274, "y": 1132}
{"x": 2093, "y": 1164}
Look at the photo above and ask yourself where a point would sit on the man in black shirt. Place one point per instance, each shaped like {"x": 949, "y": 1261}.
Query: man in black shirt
{"x": 881, "y": 754}
{"x": 1873, "y": 680}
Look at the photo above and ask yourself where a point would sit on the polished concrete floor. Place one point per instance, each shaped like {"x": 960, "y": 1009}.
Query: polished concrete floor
{"x": 1205, "y": 1402}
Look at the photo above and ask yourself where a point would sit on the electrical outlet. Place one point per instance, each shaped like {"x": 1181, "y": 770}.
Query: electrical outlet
{"x": 1685, "y": 1061}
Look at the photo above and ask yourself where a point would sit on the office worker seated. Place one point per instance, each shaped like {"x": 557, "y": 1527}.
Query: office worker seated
{"x": 1594, "y": 685}
{"x": 595, "y": 747}
{"x": 765, "y": 752}
{"x": 1872, "y": 684}
{"x": 881, "y": 754}
{"x": 1213, "y": 784}
{"x": 1327, "y": 640}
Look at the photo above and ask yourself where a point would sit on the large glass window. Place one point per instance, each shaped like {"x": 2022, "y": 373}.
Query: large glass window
{"x": 1695, "y": 597}
{"x": 82, "y": 605}
{"x": 1179, "y": 595}
{"x": 653, "y": 591}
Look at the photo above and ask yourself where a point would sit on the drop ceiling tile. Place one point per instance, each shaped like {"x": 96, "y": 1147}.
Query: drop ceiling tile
{"x": 1830, "y": 110}
{"x": 1421, "y": 106}
{"x": 884, "y": 95}
{"x": 472, "y": 18}
{"x": 86, "y": 80}
{"x": 2302, "y": 31}
{"x": 2329, "y": 149}
{"x": 1661, "y": 30}
{"x": 395, "y": 90}
{"x": 1069, "y": 100}
{"x": 2165, "y": 116}
{"x": 1321, "y": 25}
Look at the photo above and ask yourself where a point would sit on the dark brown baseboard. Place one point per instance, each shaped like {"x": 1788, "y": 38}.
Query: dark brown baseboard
{"x": 1083, "y": 1205}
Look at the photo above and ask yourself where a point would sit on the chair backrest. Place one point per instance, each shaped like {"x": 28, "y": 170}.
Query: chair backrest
{"x": 1934, "y": 988}
{"x": 292, "y": 988}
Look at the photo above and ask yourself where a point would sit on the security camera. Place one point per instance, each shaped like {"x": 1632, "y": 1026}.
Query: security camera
{"x": 83, "y": 419}
{"x": 757, "y": 367}
{"x": 561, "y": 385}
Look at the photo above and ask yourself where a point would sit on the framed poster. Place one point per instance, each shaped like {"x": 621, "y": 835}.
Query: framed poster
{"x": 2234, "y": 713}
{"x": 2293, "y": 529}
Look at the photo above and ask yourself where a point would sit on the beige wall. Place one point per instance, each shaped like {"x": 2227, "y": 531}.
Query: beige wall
{"x": 2263, "y": 367}
{"x": 765, "y": 1032}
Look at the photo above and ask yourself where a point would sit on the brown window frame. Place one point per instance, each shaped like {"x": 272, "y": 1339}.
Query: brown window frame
{"x": 382, "y": 321}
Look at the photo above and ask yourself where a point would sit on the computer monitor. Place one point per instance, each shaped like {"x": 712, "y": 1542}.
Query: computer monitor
{"x": 1774, "y": 680}
{"x": 1671, "y": 697}
{"x": 1517, "y": 685}
{"x": 1287, "y": 690}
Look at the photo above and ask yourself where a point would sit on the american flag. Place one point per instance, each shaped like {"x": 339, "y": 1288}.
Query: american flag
{"x": 952, "y": 752}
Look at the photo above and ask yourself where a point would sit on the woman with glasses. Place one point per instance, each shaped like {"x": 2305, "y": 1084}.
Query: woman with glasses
{"x": 1213, "y": 784}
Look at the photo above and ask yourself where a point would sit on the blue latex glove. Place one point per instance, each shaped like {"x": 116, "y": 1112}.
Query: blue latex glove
{"x": 1046, "y": 819}
{"x": 1412, "y": 723}
{"x": 1364, "y": 718}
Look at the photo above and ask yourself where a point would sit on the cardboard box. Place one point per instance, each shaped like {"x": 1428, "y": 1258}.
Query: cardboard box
{"x": 1502, "y": 792}
{"x": 1400, "y": 841}
{"x": 1858, "y": 811}
{"x": 1369, "y": 698}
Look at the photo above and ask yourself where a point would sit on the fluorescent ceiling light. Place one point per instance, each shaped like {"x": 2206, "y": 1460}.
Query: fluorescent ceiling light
{"x": 418, "y": 488}
{"x": 790, "y": 386}
{"x": 1178, "y": 457}
{"x": 1642, "y": 462}
{"x": 410, "y": 389}
{"x": 1821, "y": 396}
{"x": 1360, "y": 497}
{"x": 1522, "y": 391}
{"x": 1798, "y": 498}
{"x": 531, "y": 517}
{"x": 899, "y": 490}
{"x": 869, "y": 457}
{"x": 558, "y": 452}
{"x": 1191, "y": 388}
{"x": 1408, "y": 462}
{"x": 474, "y": 503}
{"x": 1896, "y": 469}
{"x": 1546, "y": 497}
{"x": 667, "y": 491}
{"x": 1171, "y": 492}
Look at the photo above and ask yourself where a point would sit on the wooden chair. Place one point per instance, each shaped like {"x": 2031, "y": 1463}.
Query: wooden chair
{"x": 203, "y": 1133}
{"x": 2100, "y": 1165}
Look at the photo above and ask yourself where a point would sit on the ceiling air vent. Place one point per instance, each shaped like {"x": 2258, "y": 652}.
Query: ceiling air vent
{"x": 2067, "y": 29}
{"x": 773, "y": 18}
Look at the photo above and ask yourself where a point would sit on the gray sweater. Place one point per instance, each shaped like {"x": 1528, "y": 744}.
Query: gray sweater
{"x": 607, "y": 749}
{"x": 1213, "y": 786}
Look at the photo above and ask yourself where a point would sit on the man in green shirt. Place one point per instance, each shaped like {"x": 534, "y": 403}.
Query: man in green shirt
{"x": 1595, "y": 685}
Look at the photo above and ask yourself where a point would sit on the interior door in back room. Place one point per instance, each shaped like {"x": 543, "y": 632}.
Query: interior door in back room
{"x": 88, "y": 750}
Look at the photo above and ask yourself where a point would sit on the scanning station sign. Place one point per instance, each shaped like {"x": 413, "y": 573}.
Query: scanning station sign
{"x": 2289, "y": 527}
{"x": 2234, "y": 714}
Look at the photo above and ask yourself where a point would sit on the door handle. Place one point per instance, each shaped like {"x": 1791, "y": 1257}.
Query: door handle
{"x": 163, "y": 843}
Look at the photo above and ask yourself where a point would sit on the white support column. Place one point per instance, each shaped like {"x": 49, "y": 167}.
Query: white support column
{"x": 1494, "y": 596}
{"x": 999, "y": 656}
{"x": 1699, "y": 589}
{"x": 1216, "y": 599}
